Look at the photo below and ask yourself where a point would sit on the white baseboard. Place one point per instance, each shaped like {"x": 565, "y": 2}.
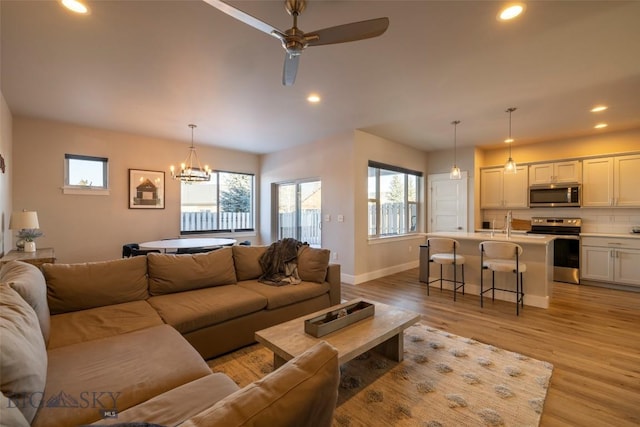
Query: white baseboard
{"x": 372, "y": 275}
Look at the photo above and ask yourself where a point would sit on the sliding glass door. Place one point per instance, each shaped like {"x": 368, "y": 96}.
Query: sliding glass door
{"x": 299, "y": 211}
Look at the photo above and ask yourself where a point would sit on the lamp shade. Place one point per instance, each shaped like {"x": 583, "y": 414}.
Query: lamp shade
{"x": 24, "y": 219}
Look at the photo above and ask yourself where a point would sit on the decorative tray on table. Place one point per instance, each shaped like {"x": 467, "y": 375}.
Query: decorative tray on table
{"x": 339, "y": 318}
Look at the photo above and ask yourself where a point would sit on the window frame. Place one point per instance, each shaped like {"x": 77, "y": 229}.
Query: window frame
{"x": 86, "y": 189}
{"x": 216, "y": 174}
{"x": 408, "y": 205}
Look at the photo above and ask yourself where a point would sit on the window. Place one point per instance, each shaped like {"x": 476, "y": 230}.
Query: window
{"x": 393, "y": 200}
{"x": 85, "y": 174}
{"x": 225, "y": 203}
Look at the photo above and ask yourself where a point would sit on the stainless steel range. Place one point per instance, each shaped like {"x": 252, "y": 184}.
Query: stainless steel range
{"x": 566, "y": 248}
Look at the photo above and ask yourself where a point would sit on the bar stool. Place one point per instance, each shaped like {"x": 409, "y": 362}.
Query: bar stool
{"x": 442, "y": 251}
{"x": 502, "y": 257}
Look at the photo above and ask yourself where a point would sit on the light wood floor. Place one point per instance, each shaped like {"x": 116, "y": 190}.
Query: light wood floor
{"x": 590, "y": 334}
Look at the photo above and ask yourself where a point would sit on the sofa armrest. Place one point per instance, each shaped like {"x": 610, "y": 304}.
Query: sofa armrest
{"x": 302, "y": 392}
{"x": 334, "y": 280}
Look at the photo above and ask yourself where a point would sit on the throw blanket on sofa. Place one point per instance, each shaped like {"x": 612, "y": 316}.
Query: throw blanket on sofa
{"x": 280, "y": 263}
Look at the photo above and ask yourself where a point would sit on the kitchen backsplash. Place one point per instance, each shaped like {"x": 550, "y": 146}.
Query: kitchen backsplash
{"x": 607, "y": 220}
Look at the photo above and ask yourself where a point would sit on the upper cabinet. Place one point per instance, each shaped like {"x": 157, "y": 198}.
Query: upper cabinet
{"x": 611, "y": 181}
{"x": 555, "y": 173}
{"x": 500, "y": 190}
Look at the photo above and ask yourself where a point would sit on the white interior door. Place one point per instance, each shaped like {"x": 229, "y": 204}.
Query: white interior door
{"x": 447, "y": 202}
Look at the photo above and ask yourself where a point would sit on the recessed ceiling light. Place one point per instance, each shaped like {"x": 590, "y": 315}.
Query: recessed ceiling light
{"x": 601, "y": 125}
{"x": 511, "y": 11}
{"x": 599, "y": 108}
{"x": 75, "y": 6}
{"x": 508, "y": 140}
{"x": 313, "y": 98}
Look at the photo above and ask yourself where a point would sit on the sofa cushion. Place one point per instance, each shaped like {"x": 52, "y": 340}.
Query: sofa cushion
{"x": 192, "y": 310}
{"x": 101, "y": 322}
{"x": 280, "y": 296}
{"x": 28, "y": 281}
{"x": 247, "y": 261}
{"x": 175, "y": 406}
{"x": 73, "y": 287}
{"x": 115, "y": 373}
{"x": 302, "y": 392}
{"x": 10, "y": 415}
{"x": 313, "y": 264}
{"x": 176, "y": 273}
{"x": 23, "y": 356}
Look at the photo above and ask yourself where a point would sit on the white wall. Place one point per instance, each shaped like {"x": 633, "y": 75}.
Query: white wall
{"x": 6, "y": 120}
{"x": 90, "y": 228}
{"x": 341, "y": 162}
{"x": 380, "y": 257}
{"x": 330, "y": 161}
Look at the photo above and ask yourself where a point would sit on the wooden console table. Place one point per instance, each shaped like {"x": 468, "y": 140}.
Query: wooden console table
{"x": 37, "y": 258}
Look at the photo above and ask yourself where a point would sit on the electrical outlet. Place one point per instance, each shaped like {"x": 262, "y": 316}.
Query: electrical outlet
{"x": 327, "y": 218}
{"x": 335, "y": 256}
{"x": 340, "y": 218}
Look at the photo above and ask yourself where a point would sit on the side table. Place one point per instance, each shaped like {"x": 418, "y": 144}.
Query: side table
{"x": 37, "y": 258}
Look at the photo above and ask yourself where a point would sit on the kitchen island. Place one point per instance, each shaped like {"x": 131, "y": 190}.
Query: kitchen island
{"x": 537, "y": 255}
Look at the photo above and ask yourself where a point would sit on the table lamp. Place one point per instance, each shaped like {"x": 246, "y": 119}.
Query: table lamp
{"x": 26, "y": 222}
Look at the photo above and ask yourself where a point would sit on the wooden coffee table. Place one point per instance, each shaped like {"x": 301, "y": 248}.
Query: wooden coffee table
{"x": 383, "y": 332}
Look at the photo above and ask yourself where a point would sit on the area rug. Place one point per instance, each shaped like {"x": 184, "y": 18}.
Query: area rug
{"x": 444, "y": 380}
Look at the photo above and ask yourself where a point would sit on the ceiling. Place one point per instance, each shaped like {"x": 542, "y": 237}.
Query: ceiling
{"x": 152, "y": 67}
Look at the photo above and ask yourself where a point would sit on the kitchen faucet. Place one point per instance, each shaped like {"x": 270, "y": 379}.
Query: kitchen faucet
{"x": 507, "y": 224}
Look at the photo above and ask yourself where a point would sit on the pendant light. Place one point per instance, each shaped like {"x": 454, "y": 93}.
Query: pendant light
{"x": 510, "y": 166}
{"x": 455, "y": 170}
{"x": 190, "y": 169}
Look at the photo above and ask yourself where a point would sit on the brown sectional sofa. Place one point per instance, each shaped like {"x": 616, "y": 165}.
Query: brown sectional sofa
{"x": 83, "y": 343}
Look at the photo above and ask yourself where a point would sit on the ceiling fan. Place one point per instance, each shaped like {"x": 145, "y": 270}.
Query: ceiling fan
{"x": 295, "y": 40}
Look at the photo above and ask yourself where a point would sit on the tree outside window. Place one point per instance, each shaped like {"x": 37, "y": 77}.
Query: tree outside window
{"x": 223, "y": 204}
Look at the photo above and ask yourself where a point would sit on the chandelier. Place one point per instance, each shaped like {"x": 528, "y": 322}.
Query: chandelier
{"x": 190, "y": 169}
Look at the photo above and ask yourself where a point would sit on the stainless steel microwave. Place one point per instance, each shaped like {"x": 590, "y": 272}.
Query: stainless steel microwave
{"x": 555, "y": 195}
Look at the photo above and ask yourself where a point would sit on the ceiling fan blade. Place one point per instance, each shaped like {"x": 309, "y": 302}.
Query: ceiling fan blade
{"x": 246, "y": 18}
{"x": 348, "y": 32}
{"x": 290, "y": 69}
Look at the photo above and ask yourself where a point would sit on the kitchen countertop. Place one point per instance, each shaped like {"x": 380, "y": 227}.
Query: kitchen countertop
{"x": 516, "y": 237}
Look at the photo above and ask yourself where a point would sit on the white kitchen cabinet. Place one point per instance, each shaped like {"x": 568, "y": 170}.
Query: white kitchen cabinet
{"x": 568, "y": 172}
{"x": 500, "y": 190}
{"x": 611, "y": 260}
{"x": 611, "y": 181}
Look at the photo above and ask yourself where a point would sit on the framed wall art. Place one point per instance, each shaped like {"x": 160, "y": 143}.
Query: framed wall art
{"x": 146, "y": 189}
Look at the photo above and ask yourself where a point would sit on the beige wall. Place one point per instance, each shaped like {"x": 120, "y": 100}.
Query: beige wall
{"x": 6, "y": 241}
{"x": 595, "y": 145}
{"x": 379, "y": 257}
{"x": 341, "y": 162}
{"x": 331, "y": 161}
{"x": 88, "y": 227}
